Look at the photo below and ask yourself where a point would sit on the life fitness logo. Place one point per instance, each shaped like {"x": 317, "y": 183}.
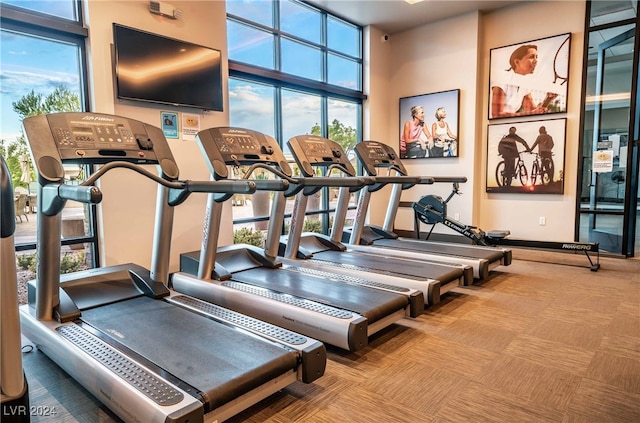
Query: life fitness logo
{"x": 237, "y": 131}
{"x": 98, "y": 118}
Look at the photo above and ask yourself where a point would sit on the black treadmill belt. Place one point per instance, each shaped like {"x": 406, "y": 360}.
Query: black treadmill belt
{"x": 371, "y": 303}
{"x": 438, "y": 248}
{"x": 442, "y": 272}
{"x": 216, "y": 359}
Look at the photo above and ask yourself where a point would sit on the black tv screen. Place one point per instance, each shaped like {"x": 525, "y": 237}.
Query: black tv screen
{"x": 164, "y": 70}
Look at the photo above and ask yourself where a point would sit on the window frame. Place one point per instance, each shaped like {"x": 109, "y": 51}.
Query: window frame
{"x": 39, "y": 24}
{"x": 281, "y": 80}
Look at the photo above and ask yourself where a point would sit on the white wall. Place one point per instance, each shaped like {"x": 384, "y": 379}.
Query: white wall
{"x": 454, "y": 54}
{"x": 128, "y": 207}
{"x": 520, "y": 212}
{"x": 430, "y": 59}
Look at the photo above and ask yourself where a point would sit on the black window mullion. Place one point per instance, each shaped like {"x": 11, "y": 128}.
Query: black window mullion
{"x": 33, "y": 20}
{"x": 279, "y": 78}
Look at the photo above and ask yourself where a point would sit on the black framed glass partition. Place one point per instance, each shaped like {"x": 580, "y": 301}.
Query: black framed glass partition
{"x": 608, "y": 169}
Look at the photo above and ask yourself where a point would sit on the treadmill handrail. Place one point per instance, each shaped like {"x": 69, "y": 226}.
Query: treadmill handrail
{"x": 54, "y": 196}
{"x": 180, "y": 189}
{"x": 404, "y": 180}
{"x": 449, "y": 179}
{"x": 226, "y": 186}
{"x": 312, "y": 184}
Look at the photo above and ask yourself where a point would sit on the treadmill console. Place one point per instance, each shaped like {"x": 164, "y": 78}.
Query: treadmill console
{"x": 93, "y": 138}
{"x": 373, "y": 154}
{"x": 312, "y": 151}
{"x": 226, "y": 146}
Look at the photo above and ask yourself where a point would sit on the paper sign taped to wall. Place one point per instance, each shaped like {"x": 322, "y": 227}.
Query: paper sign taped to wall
{"x": 602, "y": 161}
{"x": 190, "y": 126}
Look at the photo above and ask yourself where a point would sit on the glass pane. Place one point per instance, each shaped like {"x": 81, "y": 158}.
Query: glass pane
{"x": 71, "y": 260}
{"x": 343, "y": 126}
{"x": 607, "y": 11}
{"x": 256, "y": 205}
{"x": 301, "y": 21}
{"x": 603, "y": 229}
{"x": 300, "y": 114}
{"x": 251, "y": 106}
{"x": 61, "y": 8}
{"x": 43, "y": 78}
{"x": 250, "y": 45}
{"x": 607, "y": 117}
{"x": 343, "y": 37}
{"x": 258, "y": 11}
{"x": 34, "y": 68}
{"x": 301, "y": 60}
{"x": 343, "y": 72}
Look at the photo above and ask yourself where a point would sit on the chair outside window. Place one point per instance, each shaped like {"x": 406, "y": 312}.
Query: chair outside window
{"x": 20, "y": 202}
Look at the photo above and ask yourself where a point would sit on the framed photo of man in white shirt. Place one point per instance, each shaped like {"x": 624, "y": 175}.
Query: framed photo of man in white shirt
{"x": 529, "y": 78}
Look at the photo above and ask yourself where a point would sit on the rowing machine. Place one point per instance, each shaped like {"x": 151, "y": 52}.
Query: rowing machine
{"x": 432, "y": 209}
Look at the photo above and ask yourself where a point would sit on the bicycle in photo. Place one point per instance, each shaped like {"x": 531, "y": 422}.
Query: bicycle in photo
{"x": 543, "y": 168}
{"x": 519, "y": 172}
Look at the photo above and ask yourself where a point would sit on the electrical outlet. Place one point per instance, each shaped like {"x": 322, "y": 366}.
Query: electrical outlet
{"x": 456, "y": 216}
{"x": 543, "y": 220}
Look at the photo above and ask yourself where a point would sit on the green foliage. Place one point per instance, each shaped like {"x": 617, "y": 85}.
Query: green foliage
{"x": 309, "y": 225}
{"x": 248, "y": 236}
{"x": 340, "y": 133}
{"x": 27, "y": 262}
{"x": 60, "y": 100}
{"x": 261, "y": 175}
{"x": 69, "y": 262}
{"x": 312, "y": 225}
{"x": 33, "y": 104}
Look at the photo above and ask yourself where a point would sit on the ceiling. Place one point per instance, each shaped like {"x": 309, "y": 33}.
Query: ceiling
{"x": 393, "y": 16}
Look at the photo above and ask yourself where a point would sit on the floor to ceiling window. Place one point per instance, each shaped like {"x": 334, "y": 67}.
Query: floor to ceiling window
{"x": 608, "y": 190}
{"x": 43, "y": 71}
{"x": 293, "y": 70}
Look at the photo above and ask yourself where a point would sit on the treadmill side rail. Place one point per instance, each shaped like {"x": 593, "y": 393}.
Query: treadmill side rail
{"x": 340, "y": 328}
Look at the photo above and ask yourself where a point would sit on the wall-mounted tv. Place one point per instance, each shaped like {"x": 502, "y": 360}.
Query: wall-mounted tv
{"x": 163, "y": 70}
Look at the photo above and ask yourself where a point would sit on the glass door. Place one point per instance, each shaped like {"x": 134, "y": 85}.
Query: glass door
{"x": 609, "y": 187}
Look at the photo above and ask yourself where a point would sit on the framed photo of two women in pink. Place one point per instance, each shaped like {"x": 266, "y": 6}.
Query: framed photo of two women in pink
{"x": 429, "y": 125}
{"x": 529, "y": 78}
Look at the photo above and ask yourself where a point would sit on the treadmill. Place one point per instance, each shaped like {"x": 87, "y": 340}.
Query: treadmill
{"x": 376, "y": 157}
{"x": 14, "y": 390}
{"x": 319, "y": 304}
{"x": 328, "y": 253}
{"x": 146, "y": 352}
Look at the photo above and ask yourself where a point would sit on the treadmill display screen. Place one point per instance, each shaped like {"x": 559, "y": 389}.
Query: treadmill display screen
{"x": 94, "y": 135}
{"x": 377, "y": 153}
{"x": 316, "y": 149}
{"x": 239, "y": 144}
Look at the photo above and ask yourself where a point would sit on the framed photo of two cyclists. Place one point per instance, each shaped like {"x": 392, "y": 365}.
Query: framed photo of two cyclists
{"x": 526, "y": 157}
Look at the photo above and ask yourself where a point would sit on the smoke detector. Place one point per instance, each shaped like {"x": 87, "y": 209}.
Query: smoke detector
{"x": 164, "y": 9}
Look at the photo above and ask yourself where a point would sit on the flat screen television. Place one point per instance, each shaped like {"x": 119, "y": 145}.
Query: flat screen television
{"x": 163, "y": 70}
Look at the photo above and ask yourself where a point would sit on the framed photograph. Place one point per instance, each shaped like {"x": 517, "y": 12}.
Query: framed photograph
{"x": 429, "y": 125}
{"x": 529, "y": 78}
{"x": 526, "y": 157}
